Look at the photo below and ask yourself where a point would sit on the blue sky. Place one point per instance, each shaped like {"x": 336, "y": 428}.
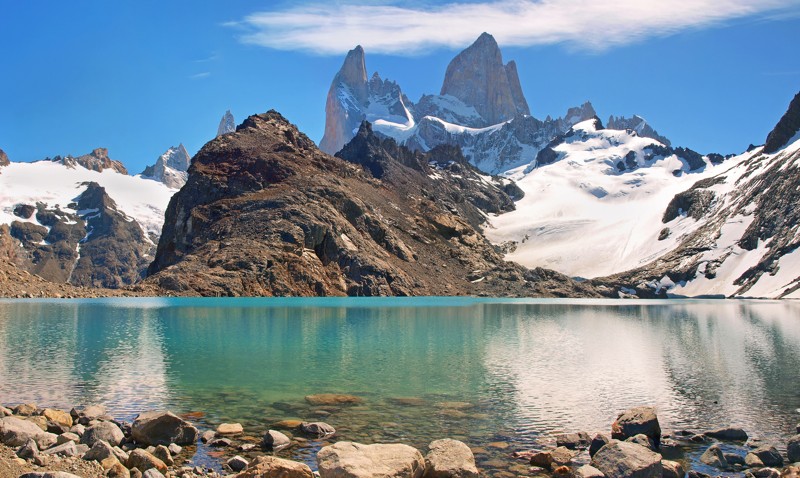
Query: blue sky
{"x": 138, "y": 77}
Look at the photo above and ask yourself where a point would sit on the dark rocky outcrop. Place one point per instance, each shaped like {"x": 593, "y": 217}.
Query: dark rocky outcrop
{"x": 637, "y": 124}
{"x": 97, "y": 160}
{"x": 786, "y": 129}
{"x": 693, "y": 203}
{"x": 264, "y": 212}
{"x": 4, "y": 158}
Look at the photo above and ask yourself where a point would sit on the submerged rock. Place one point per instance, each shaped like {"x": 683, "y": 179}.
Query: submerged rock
{"x": 729, "y": 433}
{"x": 333, "y": 399}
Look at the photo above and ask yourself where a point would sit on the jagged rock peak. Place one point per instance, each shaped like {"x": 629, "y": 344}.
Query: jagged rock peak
{"x": 227, "y": 124}
{"x": 477, "y": 77}
{"x": 354, "y": 72}
{"x": 576, "y": 114}
{"x": 4, "y": 158}
{"x": 97, "y": 160}
{"x": 170, "y": 168}
{"x": 176, "y": 157}
{"x": 638, "y": 124}
{"x": 787, "y": 129}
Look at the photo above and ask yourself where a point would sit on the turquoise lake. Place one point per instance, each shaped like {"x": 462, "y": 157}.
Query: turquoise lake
{"x": 480, "y": 370}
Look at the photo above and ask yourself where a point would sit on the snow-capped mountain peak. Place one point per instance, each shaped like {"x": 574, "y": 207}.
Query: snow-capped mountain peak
{"x": 227, "y": 124}
{"x": 170, "y": 168}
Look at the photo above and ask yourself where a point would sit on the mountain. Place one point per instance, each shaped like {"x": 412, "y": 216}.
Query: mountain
{"x": 170, "y": 168}
{"x": 4, "y": 158}
{"x": 736, "y": 230}
{"x": 80, "y": 220}
{"x": 227, "y": 124}
{"x": 638, "y": 124}
{"x": 481, "y": 109}
{"x": 265, "y": 212}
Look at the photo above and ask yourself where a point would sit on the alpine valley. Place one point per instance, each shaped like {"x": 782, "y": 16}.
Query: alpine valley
{"x": 459, "y": 193}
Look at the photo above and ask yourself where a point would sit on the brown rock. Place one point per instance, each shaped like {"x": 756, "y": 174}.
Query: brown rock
{"x": 274, "y": 467}
{"x": 143, "y": 461}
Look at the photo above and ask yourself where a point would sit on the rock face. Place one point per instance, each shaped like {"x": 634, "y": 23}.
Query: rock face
{"x": 226, "y": 125}
{"x": 170, "y": 168}
{"x": 354, "y": 460}
{"x": 4, "y": 158}
{"x": 450, "y": 459}
{"x": 787, "y": 128}
{"x": 639, "y": 125}
{"x": 97, "y": 160}
{"x": 627, "y": 460}
{"x": 265, "y": 213}
{"x": 162, "y": 428}
{"x": 478, "y": 78}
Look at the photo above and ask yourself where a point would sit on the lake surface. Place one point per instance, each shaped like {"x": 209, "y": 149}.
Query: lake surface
{"x": 480, "y": 370}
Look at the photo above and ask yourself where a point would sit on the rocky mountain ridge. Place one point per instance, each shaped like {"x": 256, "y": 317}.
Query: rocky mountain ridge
{"x": 97, "y": 160}
{"x": 481, "y": 108}
{"x": 264, "y": 212}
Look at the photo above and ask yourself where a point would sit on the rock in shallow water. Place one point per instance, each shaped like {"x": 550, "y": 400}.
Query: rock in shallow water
{"x": 766, "y": 455}
{"x": 635, "y": 421}
{"x": 162, "y": 428}
{"x": 275, "y": 440}
{"x": 627, "y": 460}
{"x": 713, "y": 456}
{"x": 230, "y": 429}
{"x": 588, "y": 471}
{"x": 729, "y": 433}
{"x": 317, "y": 429}
{"x": 268, "y": 466}
{"x": 450, "y": 459}
{"x": 671, "y": 469}
{"x": 354, "y": 460}
{"x": 333, "y": 399}
{"x": 598, "y": 442}
{"x": 793, "y": 449}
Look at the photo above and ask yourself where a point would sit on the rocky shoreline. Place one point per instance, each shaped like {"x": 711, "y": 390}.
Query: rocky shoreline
{"x": 87, "y": 442}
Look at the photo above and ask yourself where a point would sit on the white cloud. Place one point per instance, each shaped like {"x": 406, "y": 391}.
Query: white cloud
{"x": 203, "y": 74}
{"x": 593, "y": 25}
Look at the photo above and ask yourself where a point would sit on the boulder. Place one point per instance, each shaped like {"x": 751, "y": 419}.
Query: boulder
{"x": 49, "y": 474}
{"x": 791, "y": 472}
{"x": 793, "y": 449}
{"x": 627, "y": 460}
{"x": 39, "y": 420}
{"x": 78, "y": 429}
{"x": 58, "y": 416}
{"x": 765, "y": 455}
{"x": 100, "y": 451}
{"x": 118, "y": 470}
{"x": 713, "y": 456}
{"x": 635, "y": 421}
{"x": 354, "y": 460}
{"x": 697, "y": 474}
{"x": 728, "y": 434}
{"x": 450, "y": 459}
{"x": 562, "y": 472}
{"x": 574, "y": 441}
{"x": 106, "y": 431}
{"x": 162, "y": 428}
{"x": 143, "y": 461}
{"x": 588, "y": 471}
{"x": 16, "y": 432}
{"x": 66, "y": 449}
{"x": 162, "y": 453}
{"x": 88, "y": 414}
{"x": 220, "y": 443}
{"x": 733, "y": 459}
{"x": 5, "y": 412}
{"x": 29, "y": 450}
{"x": 152, "y": 473}
{"x": 207, "y": 436}
{"x": 175, "y": 449}
{"x": 552, "y": 459}
{"x": 68, "y": 436}
{"x": 598, "y": 442}
{"x": 46, "y": 440}
{"x": 317, "y": 429}
{"x": 763, "y": 473}
{"x": 323, "y": 399}
{"x": 271, "y": 466}
{"x": 671, "y": 469}
{"x": 642, "y": 439}
{"x": 237, "y": 463}
{"x": 230, "y": 429}
{"x": 275, "y": 440}
{"x": 25, "y": 409}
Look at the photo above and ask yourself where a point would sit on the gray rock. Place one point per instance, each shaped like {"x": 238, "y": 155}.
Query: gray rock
{"x": 627, "y": 460}
{"x": 220, "y": 443}
{"x": 162, "y": 453}
{"x": 574, "y": 441}
{"x": 264, "y": 466}
{"x": 118, "y": 470}
{"x": 88, "y": 414}
{"x": 120, "y": 454}
{"x": 763, "y": 473}
{"x": 16, "y": 432}
{"x": 78, "y": 429}
{"x": 729, "y": 433}
{"x": 733, "y": 459}
{"x": 450, "y": 459}
{"x": 765, "y": 455}
{"x": 588, "y": 471}
{"x": 671, "y": 469}
{"x": 353, "y": 460}
{"x": 598, "y": 442}
{"x": 68, "y": 436}
{"x": 552, "y": 459}
{"x": 317, "y": 429}
{"x": 152, "y": 473}
{"x": 29, "y": 450}
{"x": 66, "y": 449}
{"x": 45, "y": 440}
{"x": 100, "y": 451}
{"x": 175, "y": 449}
{"x": 207, "y": 436}
{"x": 635, "y": 421}
{"x": 713, "y": 456}
{"x": 162, "y": 428}
{"x": 106, "y": 431}
{"x": 793, "y": 449}
{"x": 246, "y": 447}
{"x": 275, "y": 440}
{"x": 237, "y": 463}
{"x": 642, "y": 439}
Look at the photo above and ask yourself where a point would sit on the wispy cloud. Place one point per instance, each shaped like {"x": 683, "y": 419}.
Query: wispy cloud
{"x": 584, "y": 24}
{"x": 203, "y": 74}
